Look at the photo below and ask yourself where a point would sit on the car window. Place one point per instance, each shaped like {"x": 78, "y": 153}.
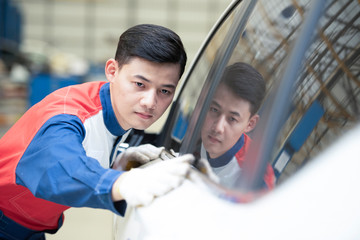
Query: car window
{"x": 325, "y": 102}
{"x": 195, "y": 82}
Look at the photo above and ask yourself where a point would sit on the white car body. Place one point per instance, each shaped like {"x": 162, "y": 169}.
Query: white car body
{"x": 321, "y": 201}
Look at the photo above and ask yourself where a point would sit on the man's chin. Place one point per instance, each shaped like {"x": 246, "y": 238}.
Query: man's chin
{"x": 142, "y": 125}
{"x": 210, "y": 147}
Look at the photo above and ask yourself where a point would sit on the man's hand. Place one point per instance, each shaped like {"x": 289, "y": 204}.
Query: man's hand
{"x": 136, "y": 156}
{"x": 140, "y": 186}
{"x": 203, "y": 165}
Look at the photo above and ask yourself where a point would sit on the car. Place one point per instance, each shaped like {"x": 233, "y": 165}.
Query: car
{"x": 309, "y": 132}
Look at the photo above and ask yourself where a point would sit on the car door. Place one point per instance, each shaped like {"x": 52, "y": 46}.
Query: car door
{"x": 308, "y": 53}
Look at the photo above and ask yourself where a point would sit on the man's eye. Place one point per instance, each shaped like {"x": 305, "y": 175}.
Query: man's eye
{"x": 139, "y": 84}
{"x": 232, "y": 119}
{"x": 212, "y": 109}
{"x": 165, "y": 91}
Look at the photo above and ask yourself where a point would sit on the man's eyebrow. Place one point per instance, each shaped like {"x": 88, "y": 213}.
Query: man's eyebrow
{"x": 219, "y": 106}
{"x": 235, "y": 113}
{"x": 147, "y": 80}
{"x": 215, "y": 103}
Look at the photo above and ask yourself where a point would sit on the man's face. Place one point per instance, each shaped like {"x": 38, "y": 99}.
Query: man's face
{"x": 141, "y": 90}
{"x": 228, "y": 118}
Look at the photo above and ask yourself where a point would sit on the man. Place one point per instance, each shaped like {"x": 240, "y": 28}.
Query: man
{"x": 232, "y": 114}
{"x": 58, "y": 154}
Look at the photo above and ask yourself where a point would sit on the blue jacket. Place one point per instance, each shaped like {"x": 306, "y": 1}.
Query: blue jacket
{"x": 58, "y": 156}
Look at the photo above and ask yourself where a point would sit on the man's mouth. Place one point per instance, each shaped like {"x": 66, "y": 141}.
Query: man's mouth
{"x": 144, "y": 115}
{"x": 213, "y": 139}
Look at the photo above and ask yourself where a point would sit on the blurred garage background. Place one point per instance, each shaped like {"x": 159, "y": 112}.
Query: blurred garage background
{"x": 48, "y": 44}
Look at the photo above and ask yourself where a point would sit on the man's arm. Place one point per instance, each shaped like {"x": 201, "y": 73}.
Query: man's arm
{"x": 55, "y": 167}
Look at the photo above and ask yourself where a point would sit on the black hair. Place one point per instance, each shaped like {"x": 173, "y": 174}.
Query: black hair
{"x": 245, "y": 82}
{"x": 153, "y": 43}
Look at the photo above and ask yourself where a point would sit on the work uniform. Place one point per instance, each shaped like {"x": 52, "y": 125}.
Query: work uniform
{"x": 58, "y": 156}
{"x": 228, "y": 166}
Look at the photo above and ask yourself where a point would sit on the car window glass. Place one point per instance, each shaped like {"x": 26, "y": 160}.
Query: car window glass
{"x": 326, "y": 101}
{"x": 194, "y": 84}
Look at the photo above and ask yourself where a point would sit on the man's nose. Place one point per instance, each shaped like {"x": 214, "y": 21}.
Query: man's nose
{"x": 149, "y": 99}
{"x": 219, "y": 124}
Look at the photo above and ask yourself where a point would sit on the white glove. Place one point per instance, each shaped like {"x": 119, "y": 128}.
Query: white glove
{"x": 166, "y": 155}
{"x": 140, "y": 186}
{"x": 203, "y": 164}
{"x": 136, "y": 156}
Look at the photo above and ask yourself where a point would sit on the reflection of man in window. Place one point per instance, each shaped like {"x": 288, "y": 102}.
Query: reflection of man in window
{"x": 232, "y": 114}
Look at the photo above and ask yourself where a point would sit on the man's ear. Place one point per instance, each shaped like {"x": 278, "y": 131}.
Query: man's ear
{"x": 111, "y": 68}
{"x": 252, "y": 123}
